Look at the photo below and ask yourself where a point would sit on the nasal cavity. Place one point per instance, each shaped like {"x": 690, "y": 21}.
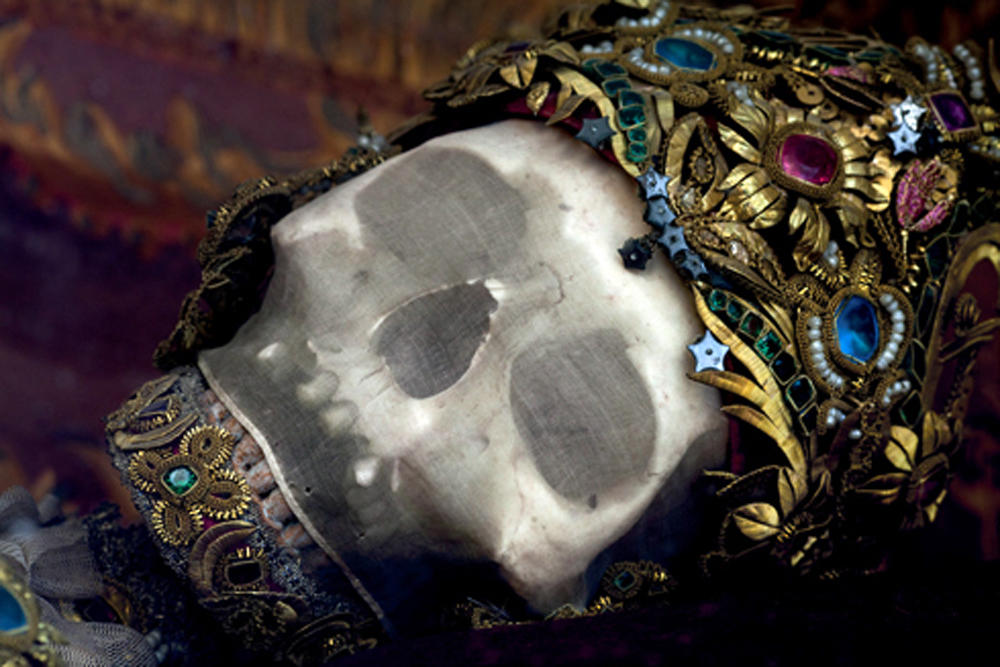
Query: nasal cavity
{"x": 429, "y": 342}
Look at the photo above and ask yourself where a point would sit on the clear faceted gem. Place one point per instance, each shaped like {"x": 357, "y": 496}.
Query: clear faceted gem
{"x": 857, "y": 329}
{"x": 685, "y": 54}
{"x": 953, "y": 111}
{"x": 180, "y": 480}
{"x": 808, "y": 158}
{"x": 12, "y": 618}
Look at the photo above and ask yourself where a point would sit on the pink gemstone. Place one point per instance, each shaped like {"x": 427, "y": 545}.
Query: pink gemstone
{"x": 808, "y": 158}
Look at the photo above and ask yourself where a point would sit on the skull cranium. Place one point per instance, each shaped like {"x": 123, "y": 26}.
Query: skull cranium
{"x": 451, "y": 362}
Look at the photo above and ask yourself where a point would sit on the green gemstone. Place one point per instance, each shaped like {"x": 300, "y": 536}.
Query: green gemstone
{"x": 612, "y": 86}
{"x": 637, "y": 134}
{"x": 631, "y": 116}
{"x": 752, "y": 325}
{"x": 717, "y": 301}
{"x": 606, "y": 69}
{"x": 637, "y": 152}
{"x": 630, "y": 98}
{"x": 768, "y": 346}
{"x": 735, "y": 311}
{"x": 624, "y": 580}
{"x": 180, "y": 480}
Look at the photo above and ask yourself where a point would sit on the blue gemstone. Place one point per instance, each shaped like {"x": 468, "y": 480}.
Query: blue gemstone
{"x": 12, "y": 618}
{"x": 685, "y": 54}
{"x": 857, "y": 329}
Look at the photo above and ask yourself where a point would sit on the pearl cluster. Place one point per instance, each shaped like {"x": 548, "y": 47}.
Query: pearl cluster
{"x": 895, "y": 390}
{"x": 934, "y": 63}
{"x": 814, "y": 331}
{"x": 897, "y": 335}
{"x": 604, "y": 47}
{"x": 834, "y": 417}
{"x": 653, "y": 20}
{"x": 716, "y": 38}
{"x": 830, "y": 255}
{"x": 973, "y": 70}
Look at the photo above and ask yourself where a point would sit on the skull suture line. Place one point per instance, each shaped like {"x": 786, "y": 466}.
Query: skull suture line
{"x": 452, "y": 361}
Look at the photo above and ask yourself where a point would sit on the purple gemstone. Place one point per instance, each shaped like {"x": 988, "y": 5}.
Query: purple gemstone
{"x": 953, "y": 111}
{"x": 808, "y": 158}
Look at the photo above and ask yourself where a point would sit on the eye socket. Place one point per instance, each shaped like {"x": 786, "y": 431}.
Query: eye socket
{"x": 584, "y": 412}
{"x": 429, "y": 342}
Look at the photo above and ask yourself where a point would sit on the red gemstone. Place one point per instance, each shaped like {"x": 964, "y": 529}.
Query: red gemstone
{"x": 808, "y": 158}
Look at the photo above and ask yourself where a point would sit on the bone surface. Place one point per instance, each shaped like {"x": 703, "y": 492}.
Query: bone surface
{"x": 452, "y": 363}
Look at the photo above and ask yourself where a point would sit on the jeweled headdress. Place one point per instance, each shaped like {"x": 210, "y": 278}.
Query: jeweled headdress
{"x": 826, "y": 197}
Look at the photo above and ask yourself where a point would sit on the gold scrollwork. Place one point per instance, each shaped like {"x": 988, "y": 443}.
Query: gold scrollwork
{"x": 191, "y": 484}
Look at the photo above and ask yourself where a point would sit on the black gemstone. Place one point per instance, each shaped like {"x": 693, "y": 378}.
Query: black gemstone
{"x": 808, "y": 419}
{"x": 800, "y": 392}
{"x": 784, "y": 367}
{"x": 928, "y": 306}
{"x": 938, "y": 255}
{"x": 243, "y": 573}
{"x": 911, "y": 409}
{"x": 919, "y": 360}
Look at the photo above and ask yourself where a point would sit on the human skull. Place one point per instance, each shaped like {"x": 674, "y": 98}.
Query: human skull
{"x": 452, "y": 363}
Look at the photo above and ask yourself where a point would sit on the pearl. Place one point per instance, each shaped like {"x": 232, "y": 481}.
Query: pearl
{"x": 815, "y": 322}
{"x": 855, "y": 434}
{"x": 898, "y": 316}
{"x": 899, "y": 328}
{"x": 891, "y": 349}
{"x": 896, "y": 338}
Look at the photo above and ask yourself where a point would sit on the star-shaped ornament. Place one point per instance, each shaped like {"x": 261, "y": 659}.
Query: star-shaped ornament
{"x": 907, "y": 115}
{"x": 636, "y": 253}
{"x": 708, "y": 353}
{"x": 693, "y": 265}
{"x": 653, "y": 183}
{"x": 904, "y": 139}
{"x": 673, "y": 240}
{"x": 595, "y": 131}
{"x": 658, "y": 212}
{"x": 908, "y": 112}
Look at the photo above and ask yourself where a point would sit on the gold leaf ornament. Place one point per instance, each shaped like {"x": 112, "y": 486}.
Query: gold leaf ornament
{"x": 758, "y": 521}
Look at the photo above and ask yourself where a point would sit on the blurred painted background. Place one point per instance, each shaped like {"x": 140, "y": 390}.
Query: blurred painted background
{"x": 122, "y": 121}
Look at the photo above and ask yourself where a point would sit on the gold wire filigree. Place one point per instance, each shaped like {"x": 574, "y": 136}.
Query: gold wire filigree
{"x": 187, "y": 486}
